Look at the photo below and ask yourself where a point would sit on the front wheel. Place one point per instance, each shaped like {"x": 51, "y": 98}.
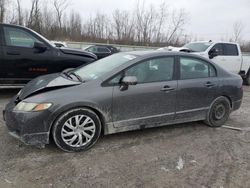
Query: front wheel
{"x": 219, "y": 112}
{"x": 76, "y": 130}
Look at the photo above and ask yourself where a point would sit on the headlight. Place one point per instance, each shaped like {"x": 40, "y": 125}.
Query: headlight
{"x": 31, "y": 107}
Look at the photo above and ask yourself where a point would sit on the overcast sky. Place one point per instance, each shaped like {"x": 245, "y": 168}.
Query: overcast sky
{"x": 208, "y": 19}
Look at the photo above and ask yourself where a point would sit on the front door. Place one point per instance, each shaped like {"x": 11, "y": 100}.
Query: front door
{"x": 152, "y": 100}
{"x": 197, "y": 88}
{"x": 22, "y": 61}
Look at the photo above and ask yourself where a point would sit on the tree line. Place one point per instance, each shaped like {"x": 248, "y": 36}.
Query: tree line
{"x": 144, "y": 25}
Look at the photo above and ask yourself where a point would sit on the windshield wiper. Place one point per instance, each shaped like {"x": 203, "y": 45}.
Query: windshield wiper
{"x": 67, "y": 74}
{"x": 77, "y": 76}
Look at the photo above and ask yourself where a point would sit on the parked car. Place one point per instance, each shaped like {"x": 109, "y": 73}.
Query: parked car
{"x": 25, "y": 54}
{"x": 226, "y": 54}
{"x": 59, "y": 44}
{"x": 102, "y": 51}
{"x": 122, "y": 92}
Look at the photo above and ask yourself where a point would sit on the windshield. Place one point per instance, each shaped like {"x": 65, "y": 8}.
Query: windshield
{"x": 103, "y": 66}
{"x": 198, "y": 46}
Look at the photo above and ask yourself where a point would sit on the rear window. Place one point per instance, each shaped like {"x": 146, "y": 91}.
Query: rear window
{"x": 103, "y": 50}
{"x": 230, "y": 50}
{"x": 191, "y": 68}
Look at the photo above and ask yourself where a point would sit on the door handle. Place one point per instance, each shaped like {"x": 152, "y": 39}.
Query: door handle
{"x": 13, "y": 53}
{"x": 167, "y": 88}
{"x": 209, "y": 84}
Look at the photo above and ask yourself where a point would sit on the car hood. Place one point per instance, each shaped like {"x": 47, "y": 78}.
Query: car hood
{"x": 77, "y": 52}
{"x": 45, "y": 83}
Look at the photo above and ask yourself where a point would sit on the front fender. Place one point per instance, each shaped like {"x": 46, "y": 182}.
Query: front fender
{"x": 104, "y": 114}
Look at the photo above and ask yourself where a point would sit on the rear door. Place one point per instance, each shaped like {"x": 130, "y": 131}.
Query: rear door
{"x": 232, "y": 57}
{"x": 228, "y": 56}
{"x": 21, "y": 60}
{"x": 102, "y": 52}
{"x": 197, "y": 88}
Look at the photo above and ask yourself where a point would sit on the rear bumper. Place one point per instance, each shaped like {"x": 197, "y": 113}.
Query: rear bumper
{"x": 236, "y": 105}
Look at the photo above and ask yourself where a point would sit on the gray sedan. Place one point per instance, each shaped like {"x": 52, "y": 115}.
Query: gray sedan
{"x": 123, "y": 92}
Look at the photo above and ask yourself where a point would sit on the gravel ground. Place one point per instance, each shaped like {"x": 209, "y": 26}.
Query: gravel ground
{"x": 185, "y": 155}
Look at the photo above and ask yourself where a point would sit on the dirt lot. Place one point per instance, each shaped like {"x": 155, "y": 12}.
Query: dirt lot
{"x": 186, "y": 155}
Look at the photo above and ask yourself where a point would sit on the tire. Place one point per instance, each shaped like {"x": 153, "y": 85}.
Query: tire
{"x": 247, "y": 79}
{"x": 76, "y": 130}
{"x": 219, "y": 112}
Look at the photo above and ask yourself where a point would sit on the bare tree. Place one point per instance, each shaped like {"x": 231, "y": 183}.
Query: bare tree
{"x": 19, "y": 12}
{"x": 74, "y": 27}
{"x": 162, "y": 18}
{"x": 178, "y": 21}
{"x": 60, "y": 6}
{"x": 98, "y": 27}
{"x": 237, "y": 31}
{"x": 146, "y": 25}
{"x": 48, "y": 21}
{"x": 123, "y": 25}
{"x": 3, "y": 4}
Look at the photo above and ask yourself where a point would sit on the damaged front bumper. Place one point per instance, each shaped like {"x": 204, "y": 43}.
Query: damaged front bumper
{"x": 37, "y": 139}
{"x": 29, "y": 127}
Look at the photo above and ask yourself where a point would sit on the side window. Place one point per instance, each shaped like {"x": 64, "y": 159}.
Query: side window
{"x": 103, "y": 50}
{"x": 191, "y": 68}
{"x": 154, "y": 70}
{"x": 116, "y": 79}
{"x": 219, "y": 48}
{"x": 18, "y": 37}
{"x": 230, "y": 50}
{"x": 92, "y": 49}
{"x": 212, "y": 71}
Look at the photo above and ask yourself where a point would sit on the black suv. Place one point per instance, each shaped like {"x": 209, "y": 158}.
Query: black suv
{"x": 25, "y": 54}
{"x": 102, "y": 51}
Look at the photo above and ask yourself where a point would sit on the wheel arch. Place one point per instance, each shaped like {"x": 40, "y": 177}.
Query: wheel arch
{"x": 63, "y": 110}
{"x": 229, "y": 99}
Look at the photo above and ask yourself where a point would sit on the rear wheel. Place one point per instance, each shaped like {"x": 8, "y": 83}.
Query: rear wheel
{"x": 219, "y": 112}
{"x": 76, "y": 130}
{"x": 247, "y": 79}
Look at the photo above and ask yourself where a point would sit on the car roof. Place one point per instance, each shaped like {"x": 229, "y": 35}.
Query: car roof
{"x": 214, "y": 42}
{"x": 158, "y": 53}
{"x": 13, "y": 25}
{"x": 110, "y": 47}
{"x": 103, "y": 45}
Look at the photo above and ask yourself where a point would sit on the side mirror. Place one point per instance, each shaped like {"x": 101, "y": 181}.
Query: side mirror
{"x": 41, "y": 47}
{"x": 126, "y": 81}
{"x": 213, "y": 53}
